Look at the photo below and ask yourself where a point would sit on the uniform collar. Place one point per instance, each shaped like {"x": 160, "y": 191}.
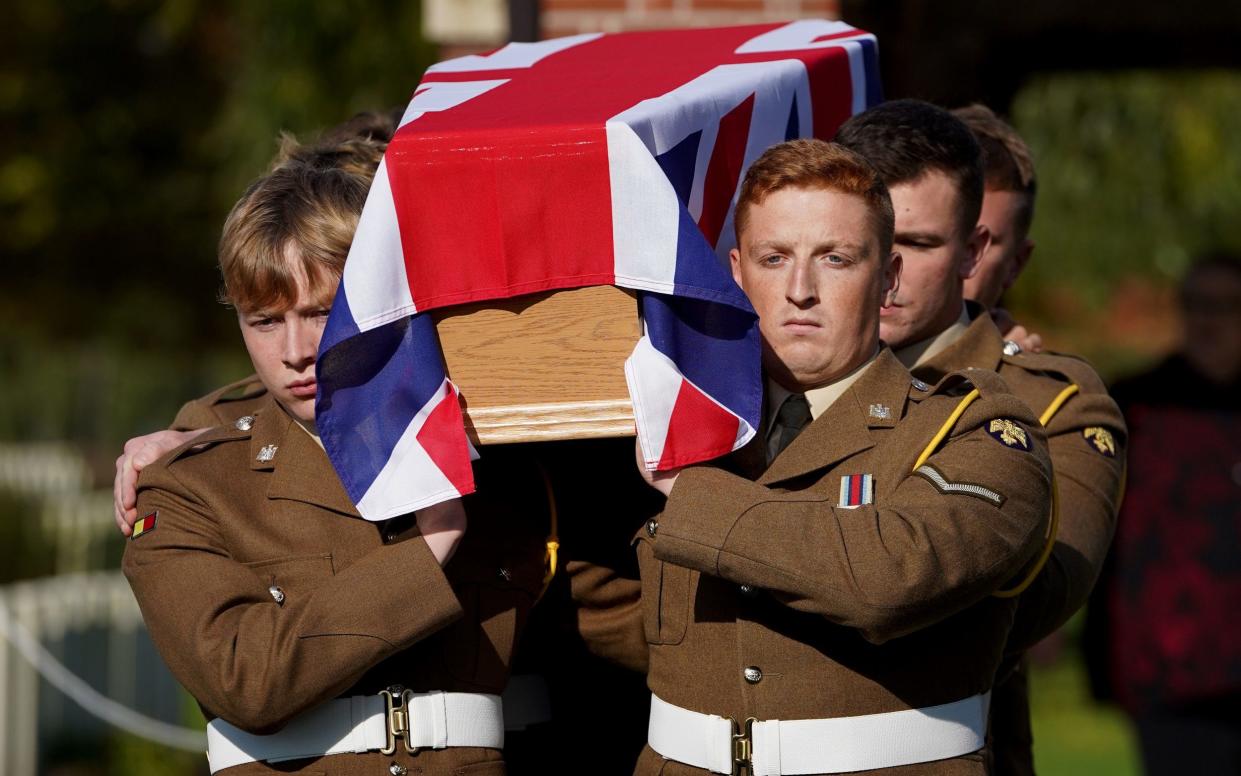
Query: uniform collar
{"x": 876, "y": 399}
{"x": 921, "y": 352}
{"x": 819, "y": 398}
{"x": 980, "y": 345}
{"x": 300, "y": 469}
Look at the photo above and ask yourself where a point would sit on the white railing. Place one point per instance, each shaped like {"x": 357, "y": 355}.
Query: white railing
{"x": 46, "y": 626}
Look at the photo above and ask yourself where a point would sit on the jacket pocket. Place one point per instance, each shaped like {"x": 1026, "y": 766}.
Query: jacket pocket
{"x": 666, "y": 591}
{"x": 293, "y": 577}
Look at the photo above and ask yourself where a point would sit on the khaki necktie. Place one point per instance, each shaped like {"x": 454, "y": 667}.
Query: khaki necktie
{"x": 793, "y": 416}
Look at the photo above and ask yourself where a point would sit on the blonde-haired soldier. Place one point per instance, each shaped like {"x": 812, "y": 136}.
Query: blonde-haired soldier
{"x": 313, "y": 640}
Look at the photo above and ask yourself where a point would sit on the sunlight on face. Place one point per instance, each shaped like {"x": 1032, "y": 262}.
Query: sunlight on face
{"x": 284, "y": 344}
{"x": 809, "y": 261}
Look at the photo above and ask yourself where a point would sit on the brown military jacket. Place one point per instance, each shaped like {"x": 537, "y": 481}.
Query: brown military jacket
{"x": 582, "y": 628}
{"x": 843, "y": 612}
{"x": 364, "y": 605}
{"x": 1086, "y": 439}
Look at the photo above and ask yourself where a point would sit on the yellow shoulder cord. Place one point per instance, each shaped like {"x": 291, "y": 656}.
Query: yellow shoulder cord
{"x": 946, "y": 428}
{"x": 1053, "y": 526}
{"x": 551, "y": 556}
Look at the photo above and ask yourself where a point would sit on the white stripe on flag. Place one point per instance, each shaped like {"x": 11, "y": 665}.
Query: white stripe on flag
{"x": 514, "y": 55}
{"x": 645, "y": 214}
{"x": 374, "y": 276}
{"x": 654, "y": 383}
{"x": 442, "y": 95}
{"x": 410, "y": 479}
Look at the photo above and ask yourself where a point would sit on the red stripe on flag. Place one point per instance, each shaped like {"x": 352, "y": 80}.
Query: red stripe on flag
{"x": 441, "y": 437}
{"x": 724, "y": 170}
{"x": 699, "y": 429}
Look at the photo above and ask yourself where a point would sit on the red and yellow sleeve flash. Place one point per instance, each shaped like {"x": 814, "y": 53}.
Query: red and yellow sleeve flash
{"x": 144, "y": 525}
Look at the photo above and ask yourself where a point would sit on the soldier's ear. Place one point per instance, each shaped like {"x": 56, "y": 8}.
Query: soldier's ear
{"x": 734, "y": 261}
{"x": 892, "y": 278}
{"x": 975, "y": 245}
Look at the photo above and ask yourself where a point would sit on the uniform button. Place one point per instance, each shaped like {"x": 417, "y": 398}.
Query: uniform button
{"x": 506, "y": 575}
{"x": 652, "y": 526}
{"x": 276, "y": 593}
{"x": 396, "y": 769}
{"x": 752, "y": 675}
{"x": 749, "y": 591}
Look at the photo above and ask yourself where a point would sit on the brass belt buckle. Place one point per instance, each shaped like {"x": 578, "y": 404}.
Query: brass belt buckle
{"x": 397, "y": 718}
{"x": 743, "y": 747}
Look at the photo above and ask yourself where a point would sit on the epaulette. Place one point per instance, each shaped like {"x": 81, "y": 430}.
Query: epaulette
{"x": 1064, "y": 367}
{"x": 208, "y": 439}
{"x": 959, "y": 383}
{"x": 246, "y": 388}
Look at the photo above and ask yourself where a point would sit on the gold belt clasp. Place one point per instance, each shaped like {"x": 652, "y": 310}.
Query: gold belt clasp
{"x": 398, "y": 717}
{"x": 743, "y": 747}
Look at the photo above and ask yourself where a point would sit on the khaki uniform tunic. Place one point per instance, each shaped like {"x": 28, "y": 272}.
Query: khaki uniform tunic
{"x": 847, "y": 611}
{"x": 363, "y": 605}
{"x": 1086, "y": 438}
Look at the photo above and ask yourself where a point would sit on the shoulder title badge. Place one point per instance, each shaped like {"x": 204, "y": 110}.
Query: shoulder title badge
{"x": 1009, "y": 433}
{"x": 1101, "y": 440}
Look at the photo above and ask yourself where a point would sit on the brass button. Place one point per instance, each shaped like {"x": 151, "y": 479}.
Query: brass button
{"x": 396, "y": 769}
{"x": 652, "y": 526}
{"x": 752, "y": 674}
{"x": 276, "y": 593}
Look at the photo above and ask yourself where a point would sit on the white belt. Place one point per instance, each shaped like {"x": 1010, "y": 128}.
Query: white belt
{"x": 363, "y": 723}
{"x": 804, "y": 746}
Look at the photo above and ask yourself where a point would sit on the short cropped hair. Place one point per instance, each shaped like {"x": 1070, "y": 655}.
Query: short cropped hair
{"x": 305, "y": 208}
{"x": 815, "y": 164}
{"x": 1006, "y": 160}
{"x": 906, "y": 139}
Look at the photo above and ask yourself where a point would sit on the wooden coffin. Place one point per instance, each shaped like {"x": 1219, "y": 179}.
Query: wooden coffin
{"x": 543, "y": 366}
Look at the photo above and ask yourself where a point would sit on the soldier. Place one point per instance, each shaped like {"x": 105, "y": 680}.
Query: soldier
{"x": 931, "y": 164}
{"x": 827, "y": 601}
{"x": 310, "y": 637}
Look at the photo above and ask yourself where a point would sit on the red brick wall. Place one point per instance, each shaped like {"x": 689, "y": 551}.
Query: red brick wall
{"x": 569, "y": 17}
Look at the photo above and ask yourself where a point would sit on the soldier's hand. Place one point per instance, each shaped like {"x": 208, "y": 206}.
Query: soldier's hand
{"x": 138, "y": 453}
{"x": 1029, "y": 341}
{"x": 442, "y": 525}
{"x": 660, "y": 481}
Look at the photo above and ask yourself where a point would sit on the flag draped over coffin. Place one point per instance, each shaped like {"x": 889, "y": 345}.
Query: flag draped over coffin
{"x": 587, "y": 160}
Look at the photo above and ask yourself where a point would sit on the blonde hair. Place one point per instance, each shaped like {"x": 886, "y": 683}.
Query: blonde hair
{"x": 298, "y": 218}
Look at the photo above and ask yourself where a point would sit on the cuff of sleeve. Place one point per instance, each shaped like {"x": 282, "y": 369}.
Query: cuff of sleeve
{"x": 696, "y": 520}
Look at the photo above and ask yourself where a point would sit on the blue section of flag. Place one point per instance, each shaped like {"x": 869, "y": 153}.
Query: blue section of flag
{"x": 678, "y": 164}
{"x": 793, "y": 129}
{"x": 870, "y": 57}
{"x": 699, "y": 337}
{"x": 370, "y": 388}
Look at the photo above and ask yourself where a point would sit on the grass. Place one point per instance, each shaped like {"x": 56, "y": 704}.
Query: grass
{"x": 1073, "y": 735}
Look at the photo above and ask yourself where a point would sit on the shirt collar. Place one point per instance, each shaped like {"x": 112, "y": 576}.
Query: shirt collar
{"x": 819, "y": 398}
{"x": 921, "y": 352}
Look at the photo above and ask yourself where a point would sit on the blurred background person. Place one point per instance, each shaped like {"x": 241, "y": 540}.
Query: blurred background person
{"x": 1163, "y": 638}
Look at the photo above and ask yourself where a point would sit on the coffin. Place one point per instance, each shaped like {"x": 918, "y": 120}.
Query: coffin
{"x": 543, "y": 366}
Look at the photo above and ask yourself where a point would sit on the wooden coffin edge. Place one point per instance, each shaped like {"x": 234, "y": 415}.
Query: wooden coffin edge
{"x": 550, "y": 422}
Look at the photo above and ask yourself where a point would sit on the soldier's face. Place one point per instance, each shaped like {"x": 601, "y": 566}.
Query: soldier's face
{"x": 284, "y": 344}
{"x": 1008, "y": 251}
{"x": 937, "y": 258}
{"x": 809, "y": 261}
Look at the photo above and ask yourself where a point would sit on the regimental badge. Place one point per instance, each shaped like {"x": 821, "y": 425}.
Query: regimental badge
{"x": 856, "y": 490}
{"x": 1101, "y": 440}
{"x": 266, "y": 454}
{"x": 1009, "y": 433}
{"x": 145, "y": 525}
{"x": 880, "y": 411}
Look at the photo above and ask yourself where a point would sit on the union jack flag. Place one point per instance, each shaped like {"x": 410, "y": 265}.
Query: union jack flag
{"x": 587, "y": 160}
